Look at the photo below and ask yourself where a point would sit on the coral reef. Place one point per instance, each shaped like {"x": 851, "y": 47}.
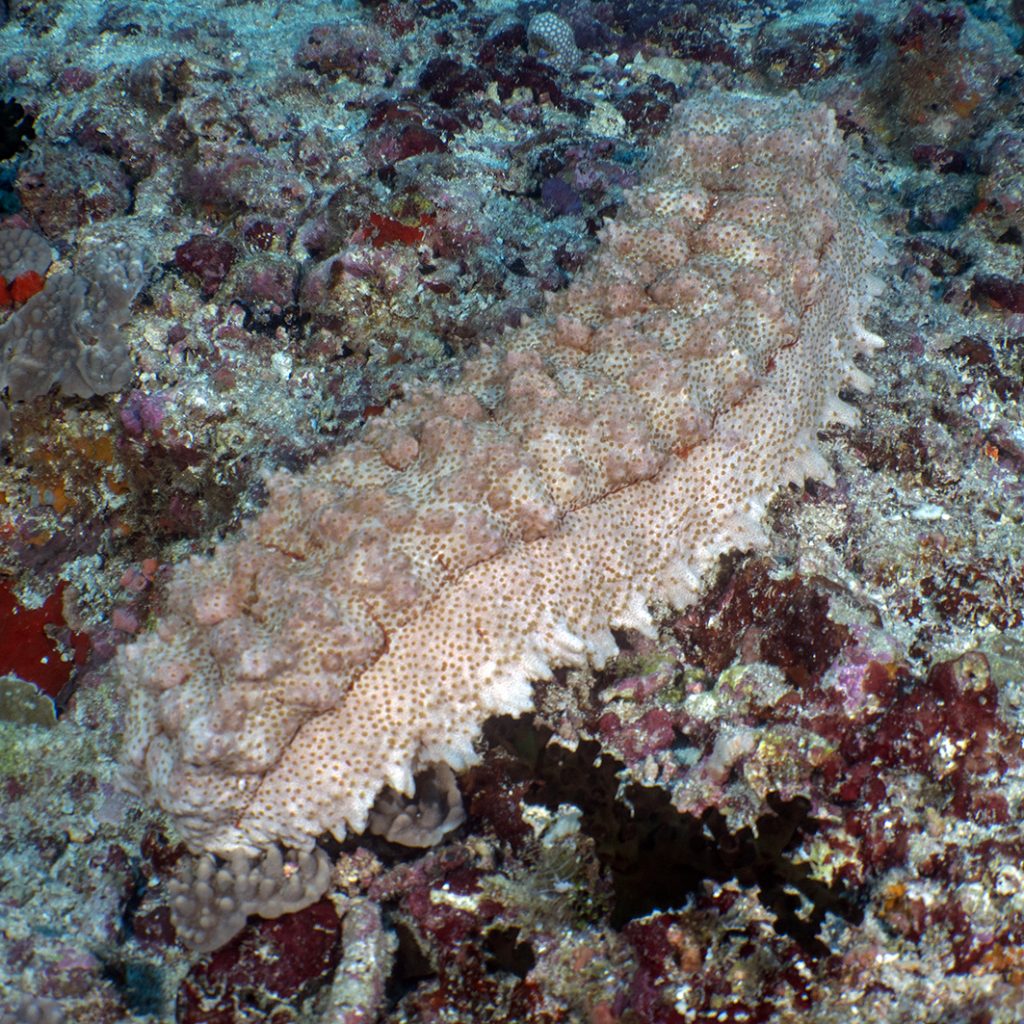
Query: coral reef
{"x": 800, "y": 800}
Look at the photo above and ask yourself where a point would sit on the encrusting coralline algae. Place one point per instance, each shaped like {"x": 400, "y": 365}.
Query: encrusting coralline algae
{"x": 590, "y": 465}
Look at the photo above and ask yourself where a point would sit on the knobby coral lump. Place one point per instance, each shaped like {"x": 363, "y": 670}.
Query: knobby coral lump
{"x": 66, "y": 330}
{"x": 589, "y": 464}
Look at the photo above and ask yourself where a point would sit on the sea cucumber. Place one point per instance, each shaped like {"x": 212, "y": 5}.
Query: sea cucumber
{"x": 588, "y": 466}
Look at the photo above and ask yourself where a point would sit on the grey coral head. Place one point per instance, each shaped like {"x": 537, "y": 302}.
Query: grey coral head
{"x": 212, "y": 897}
{"x": 22, "y": 251}
{"x": 69, "y": 334}
{"x": 32, "y": 1009}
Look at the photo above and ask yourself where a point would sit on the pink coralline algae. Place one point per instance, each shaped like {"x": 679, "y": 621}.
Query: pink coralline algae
{"x": 141, "y": 413}
{"x": 206, "y": 258}
{"x": 594, "y": 461}
{"x": 72, "y": 187}
{"x": 819, "y": 711}
{"x": 276, "y": 962}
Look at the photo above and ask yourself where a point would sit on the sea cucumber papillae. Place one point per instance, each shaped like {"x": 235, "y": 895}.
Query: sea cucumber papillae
{"x": 592, "y": 464}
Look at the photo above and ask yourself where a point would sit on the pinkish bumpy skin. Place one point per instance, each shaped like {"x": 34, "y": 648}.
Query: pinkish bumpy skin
{"x": 590, "y": 464}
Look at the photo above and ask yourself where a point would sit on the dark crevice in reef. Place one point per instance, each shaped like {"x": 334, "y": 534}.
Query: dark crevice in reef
{"x": 501, "y": 951}
{"x": 657, "y": 857}
{"x": 411, "y": 966}
{"x": 16, "y": 127}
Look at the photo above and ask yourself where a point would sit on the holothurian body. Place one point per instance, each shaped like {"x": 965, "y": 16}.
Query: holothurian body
{"x": 591, "y": 464}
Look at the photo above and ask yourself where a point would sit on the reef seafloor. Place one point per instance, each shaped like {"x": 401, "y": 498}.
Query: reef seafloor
{"x": 234, "y": 233}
